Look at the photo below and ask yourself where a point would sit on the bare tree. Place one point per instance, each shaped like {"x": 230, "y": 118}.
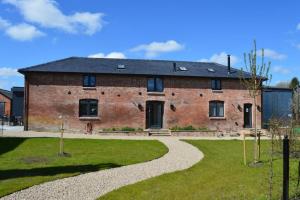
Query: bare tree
{"x": 258, "y": 74}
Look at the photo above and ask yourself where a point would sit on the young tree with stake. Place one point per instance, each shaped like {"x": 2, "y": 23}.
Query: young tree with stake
{"x": 258, "y": 74}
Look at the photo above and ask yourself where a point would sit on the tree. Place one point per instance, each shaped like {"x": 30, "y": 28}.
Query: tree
{"x": 283, "y": 84}
{"x": 254, "y": 83}
{"x": 294, "y": 83}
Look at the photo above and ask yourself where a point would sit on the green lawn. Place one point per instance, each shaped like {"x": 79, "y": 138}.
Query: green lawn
{"x": 220, "y": 175}
{"x": 26, "y": 162}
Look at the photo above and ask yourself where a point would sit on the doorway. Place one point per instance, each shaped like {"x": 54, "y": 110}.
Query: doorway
{"x": 154, "y": 114}
{"x": 247, "y": 115}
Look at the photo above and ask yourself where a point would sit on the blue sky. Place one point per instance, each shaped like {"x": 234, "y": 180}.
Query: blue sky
{"x": 38, "y": 31}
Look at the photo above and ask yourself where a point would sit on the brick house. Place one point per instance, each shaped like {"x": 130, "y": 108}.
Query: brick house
{"x": 105, "y": 93}
{"x": 5, "y": 103}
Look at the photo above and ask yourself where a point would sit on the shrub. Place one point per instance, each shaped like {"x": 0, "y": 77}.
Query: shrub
{"x": 188, "y": 128}
{"x": 130, "y": 129}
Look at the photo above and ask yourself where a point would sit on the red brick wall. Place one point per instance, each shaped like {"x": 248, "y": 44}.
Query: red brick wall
{"x": 119, "y": 98}
{"x": 7, "y": 104}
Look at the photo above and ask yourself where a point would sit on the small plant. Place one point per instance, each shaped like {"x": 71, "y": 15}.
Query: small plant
{"x": 129, "y": 129}
{"x": 189, "y": 128}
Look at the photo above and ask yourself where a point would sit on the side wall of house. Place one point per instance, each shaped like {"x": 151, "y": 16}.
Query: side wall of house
{"x": 7, "y": 101}
{"x": 52, "y": 95}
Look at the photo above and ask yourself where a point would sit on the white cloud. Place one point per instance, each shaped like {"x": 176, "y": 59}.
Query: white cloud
{"x": 47, "y": 14}
{"x": 298, "y": 26}
{"x": 155, "y": 48}
{"x": 220, "y": 58}
{"x": 4, "y": 23}
{"x": 269, "y": 53}
{"x": 118, "y": 55}
{"x": 23, "y": 32}
{"x": 298, "y": 46}
{"x": 281, "y": 70}
{"x": 7, "y": 72}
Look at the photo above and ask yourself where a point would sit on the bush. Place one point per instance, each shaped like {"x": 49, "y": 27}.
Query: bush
{"x": 128, "y": 129}
{"x": 188, "y": 128}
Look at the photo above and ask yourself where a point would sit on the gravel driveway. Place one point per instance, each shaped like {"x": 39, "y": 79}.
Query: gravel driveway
{"x": 92, "y": 185}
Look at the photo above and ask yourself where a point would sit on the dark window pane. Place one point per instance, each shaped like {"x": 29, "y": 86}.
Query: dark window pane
{"x": 88, "y": 108}
{"x": 220, "y": 109}
{"x": 85, "y": 81}
{"x": 216, "y": 109}
{"x": 83, "y": 108}
{"x": 159, "y": 85}
{"x": 92, "y": 81}
{"x": 155, "y": 85}
{"x": 213, "y": 83}
{"x": 216, "y": 84}
{"x": 151, "y": 84}
{"x": 89, "y": 81}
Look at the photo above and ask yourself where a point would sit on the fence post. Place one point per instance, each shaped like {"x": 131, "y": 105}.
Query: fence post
{"x": 285, "y": 188}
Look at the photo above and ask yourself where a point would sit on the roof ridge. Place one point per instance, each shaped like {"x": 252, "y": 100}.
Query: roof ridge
{"x": 50, "y": 62}
{"x": 137, "y": 59}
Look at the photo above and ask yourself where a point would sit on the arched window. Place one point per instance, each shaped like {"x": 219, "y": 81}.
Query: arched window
{"x": 88, "y": 108}
{"x": 216, "y": 108}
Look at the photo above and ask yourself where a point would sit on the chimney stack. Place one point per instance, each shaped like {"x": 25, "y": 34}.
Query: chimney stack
{"x": 174, "y": 67}
{"x": 228, "y": 64}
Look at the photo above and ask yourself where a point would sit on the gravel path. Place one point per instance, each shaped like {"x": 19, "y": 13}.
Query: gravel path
{"x": 92, "y": 185}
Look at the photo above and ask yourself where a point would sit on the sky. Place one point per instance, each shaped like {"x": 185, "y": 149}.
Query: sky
{"x": 38, "y": 31}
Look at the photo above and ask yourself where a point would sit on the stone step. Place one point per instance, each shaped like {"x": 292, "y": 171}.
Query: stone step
{"x": 159, "y": 132}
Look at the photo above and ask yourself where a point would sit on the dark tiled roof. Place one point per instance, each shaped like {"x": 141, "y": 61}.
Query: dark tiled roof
{"x": 6, "y": 93}
{"x": 135, "y": 67}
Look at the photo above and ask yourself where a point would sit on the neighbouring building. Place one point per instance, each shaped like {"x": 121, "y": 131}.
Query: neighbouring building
{"x": 5, "y": 103}
{"x": 99, "y": 93}
{"x": 17, "y": 107}
{"x": 277, "y": 104}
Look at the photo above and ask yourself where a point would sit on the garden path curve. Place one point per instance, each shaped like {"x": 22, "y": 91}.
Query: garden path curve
{"x": 92, "y": 185}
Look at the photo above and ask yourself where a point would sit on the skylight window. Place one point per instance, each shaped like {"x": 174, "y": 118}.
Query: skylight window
{"x": 121, "y": 67}
{"x": 211, "y": 70}
{"x": 183, "y": 69}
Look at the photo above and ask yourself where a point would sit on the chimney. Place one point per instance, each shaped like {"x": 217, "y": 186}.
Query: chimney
{"x": 228, "y": 64}
{"x": 174, "y": 67}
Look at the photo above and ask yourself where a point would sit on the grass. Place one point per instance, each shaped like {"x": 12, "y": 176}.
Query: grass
{"x": 26, "y": 162}
{"x": 220, "y": 175}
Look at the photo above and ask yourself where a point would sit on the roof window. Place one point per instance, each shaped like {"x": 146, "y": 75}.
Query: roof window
{"x": 183, "y": 69}
{"x": 211, "y": 70}
{"x": 121, "y": 67}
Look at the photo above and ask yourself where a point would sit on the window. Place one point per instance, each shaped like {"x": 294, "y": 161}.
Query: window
{"x": 88, "y": 108}
{"x": 155, "y": 85}
{"x": 89, "y": 80}
{"x": 216, "y": 84}
{"x": 216, "y": 109}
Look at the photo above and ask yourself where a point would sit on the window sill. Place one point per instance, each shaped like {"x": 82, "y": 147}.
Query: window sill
{"x": 89, "y": 88}
{"x": 89, "y": 118}
{"x": 217, "y": 91}
{"x": 217, "y": 118}
{"x": 156, "y": 93}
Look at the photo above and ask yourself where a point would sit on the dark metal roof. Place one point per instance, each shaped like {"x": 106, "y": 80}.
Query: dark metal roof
{"x": 274, "y": 88}
{"x": 17, "y": 89}
{"x": 6, "y": 93}
{"x": 135, "y": 67}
